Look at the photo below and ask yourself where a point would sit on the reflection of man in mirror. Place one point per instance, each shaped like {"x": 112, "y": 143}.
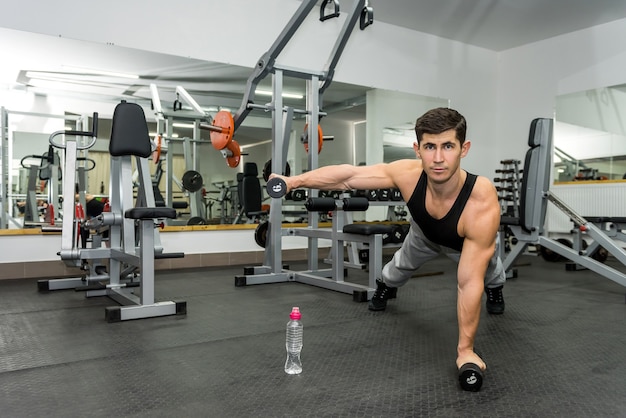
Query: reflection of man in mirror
{"x": 453, "y": 213}
{"x": 93, "y": 205}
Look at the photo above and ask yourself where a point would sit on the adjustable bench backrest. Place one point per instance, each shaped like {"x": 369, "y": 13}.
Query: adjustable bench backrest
{"x": 129, "y": 131}
{"x": 536, "y": 177}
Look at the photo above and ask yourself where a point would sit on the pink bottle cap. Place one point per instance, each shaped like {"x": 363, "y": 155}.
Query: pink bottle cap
{"x": 295, "y": 313}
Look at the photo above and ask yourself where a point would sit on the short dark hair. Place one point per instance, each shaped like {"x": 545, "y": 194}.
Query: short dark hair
{"x": 439, "y": 120}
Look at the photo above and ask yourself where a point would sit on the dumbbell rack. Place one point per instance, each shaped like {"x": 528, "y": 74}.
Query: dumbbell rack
{"x": 509, "y": 186}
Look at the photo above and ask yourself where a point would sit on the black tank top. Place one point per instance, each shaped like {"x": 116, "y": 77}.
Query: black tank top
{"x": 440, "y": 231}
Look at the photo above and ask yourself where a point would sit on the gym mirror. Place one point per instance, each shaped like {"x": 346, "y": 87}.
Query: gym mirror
{"x": 590, "y": 135}
{"x": 51, "y": 87}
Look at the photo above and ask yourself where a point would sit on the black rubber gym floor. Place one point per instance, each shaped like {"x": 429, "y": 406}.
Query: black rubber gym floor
{"x": 558, "y": 351}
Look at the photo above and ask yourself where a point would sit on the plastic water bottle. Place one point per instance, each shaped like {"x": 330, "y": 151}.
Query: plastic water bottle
{"x": 293, "y": 365}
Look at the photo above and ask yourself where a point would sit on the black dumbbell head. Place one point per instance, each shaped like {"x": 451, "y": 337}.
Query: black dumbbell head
{"x": 470, "y": 377}
{"x": 276, "y": 187}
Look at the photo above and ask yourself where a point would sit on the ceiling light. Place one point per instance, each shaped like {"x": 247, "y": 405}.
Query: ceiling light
{"x": 262, "y": 92}
{"x": 182, "y": 125}
{"x": 99, "y": 72}
{"x": 255, "y": 144}
{"x": 63, "y": 84}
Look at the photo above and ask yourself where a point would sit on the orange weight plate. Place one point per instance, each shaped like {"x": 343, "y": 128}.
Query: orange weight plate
{"x": 233, "y": 161}
{"x": 320, "y": 139}
{"x": 225, "y": 121}
{"x": 156, "y": 154}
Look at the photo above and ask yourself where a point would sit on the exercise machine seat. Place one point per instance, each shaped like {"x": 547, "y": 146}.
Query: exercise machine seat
{"x": 250, "y": 193}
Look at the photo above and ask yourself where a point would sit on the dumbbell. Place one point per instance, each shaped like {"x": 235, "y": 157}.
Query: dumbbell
{"x": 397, "y": 234}
{"x": 298, "y": 195}
{"x": 276, "y": 187}
{"x": 372, "y": 195}
{"x": 470, "y": 377}
{"x": 396, "y": 196}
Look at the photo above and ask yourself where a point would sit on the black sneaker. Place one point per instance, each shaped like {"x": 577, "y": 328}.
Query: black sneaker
{"x": 495, "y": 300}
{"x": 381, "y": 295}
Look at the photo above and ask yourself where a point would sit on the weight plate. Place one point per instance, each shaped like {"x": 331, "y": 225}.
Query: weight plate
{"x": 196, "y": 220}
{"x": 548, "y": 254}
{"x": 267, "y": 170}
{"x": 156, "y": 154}
{"x": 192, "y": 181}
{"x": 224, "y": 120}
{"x": 260, "y": 234}
{"x": 234, "y": 160}
{"x": 601, "y": 254}
{"x": 320, "y": 138}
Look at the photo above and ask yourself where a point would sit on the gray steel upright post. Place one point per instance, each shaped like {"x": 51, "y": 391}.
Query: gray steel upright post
{"x": 4, "y": 165}
{"x": 275, "y": 228}
{"x": 312, "y": 116}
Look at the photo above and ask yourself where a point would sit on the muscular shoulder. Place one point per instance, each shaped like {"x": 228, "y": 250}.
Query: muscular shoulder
{"x": 482, "y": 211}
{"x": 405, "y": 174}
{"x": 399, "y": 166}
{"x": 484, "y": 191}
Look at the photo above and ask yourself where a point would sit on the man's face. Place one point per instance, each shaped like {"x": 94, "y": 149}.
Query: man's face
{"x": 441, "y": 154}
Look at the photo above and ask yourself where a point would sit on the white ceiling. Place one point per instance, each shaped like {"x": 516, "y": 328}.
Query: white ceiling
{"x": 492, "y": 24}
{"x": 498, "y": 24}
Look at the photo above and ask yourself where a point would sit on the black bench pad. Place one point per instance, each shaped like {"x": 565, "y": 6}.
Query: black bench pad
{"x": 150, "y": 213}
{"x": 367, "y": 229}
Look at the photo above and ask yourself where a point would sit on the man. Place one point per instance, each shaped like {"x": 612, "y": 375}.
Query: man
{"x": 453, "y": 213}
{"x": 93, "y": 206}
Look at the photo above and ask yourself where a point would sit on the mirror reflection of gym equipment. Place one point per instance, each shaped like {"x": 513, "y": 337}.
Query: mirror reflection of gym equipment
{"x": 202, "y": 203}
{"x": 43, "y": 172}
{"x": 32, "y": 184}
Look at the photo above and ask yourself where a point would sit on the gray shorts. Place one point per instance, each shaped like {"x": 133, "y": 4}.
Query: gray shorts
{"x": 417, "y": 250}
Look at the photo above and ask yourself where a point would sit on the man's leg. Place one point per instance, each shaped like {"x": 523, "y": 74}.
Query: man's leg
{"x": 494, "y": 282}
{"x": 494, "y": 279}
{"x": 414, "y": 252}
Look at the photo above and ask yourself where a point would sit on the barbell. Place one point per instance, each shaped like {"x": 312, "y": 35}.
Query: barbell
{"x": 222, "y": 130}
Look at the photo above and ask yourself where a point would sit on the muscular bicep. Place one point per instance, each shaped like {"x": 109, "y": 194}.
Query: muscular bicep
{"x": 376, "y": 176}
{"x": 349, "y": 177}
{"x": 480, "y": 231}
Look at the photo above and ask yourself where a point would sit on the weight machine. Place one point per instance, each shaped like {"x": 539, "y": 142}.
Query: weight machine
{"x": 528, "y": 227}
{"x": 133, "y": 240}
{"x": 316, "y": 83}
